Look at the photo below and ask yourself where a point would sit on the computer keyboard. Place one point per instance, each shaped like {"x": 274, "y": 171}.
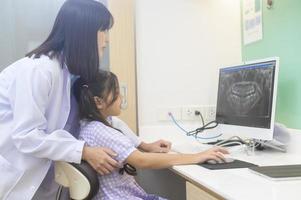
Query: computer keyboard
{"x": 236, "y": 149}
{"x": 190, "y": 147}
{"x": 198, "y": 147}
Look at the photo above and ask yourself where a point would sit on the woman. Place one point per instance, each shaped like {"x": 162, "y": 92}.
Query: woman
{"x": 36, "y": 108}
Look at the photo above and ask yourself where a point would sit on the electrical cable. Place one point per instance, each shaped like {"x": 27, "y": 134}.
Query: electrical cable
{"x": 228, "y": 144}
{"x": 205, "y": 127}
{"x": 198, "y": 113}
{"x": 176, "y": 123}
{"x": 195, "y": 132}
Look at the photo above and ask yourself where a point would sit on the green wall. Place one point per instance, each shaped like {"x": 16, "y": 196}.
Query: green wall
{"x": 282, "y": 38}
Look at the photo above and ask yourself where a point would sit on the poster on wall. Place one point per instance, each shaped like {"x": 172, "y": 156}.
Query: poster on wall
{"x": 252, "y": 21}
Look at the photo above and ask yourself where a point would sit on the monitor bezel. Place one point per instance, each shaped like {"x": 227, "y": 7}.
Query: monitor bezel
{"x": 254, "y": 132}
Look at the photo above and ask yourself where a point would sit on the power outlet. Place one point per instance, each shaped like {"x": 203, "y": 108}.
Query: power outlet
{"x": 163, "y": 113}
{"x": 188, "y": 113}
{"x": 210, "y": 113}
{"x": 207, "y": 111}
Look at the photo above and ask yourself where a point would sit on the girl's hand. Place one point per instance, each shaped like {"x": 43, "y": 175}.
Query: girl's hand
{"x": 101, "y": 159}
{"x": 160, "y": 146}
{"x": 215, "y": 153}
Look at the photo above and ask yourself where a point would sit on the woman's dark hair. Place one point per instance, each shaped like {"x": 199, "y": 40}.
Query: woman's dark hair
{"x": 73, "y": 39}
{"x": 104, "y": 84}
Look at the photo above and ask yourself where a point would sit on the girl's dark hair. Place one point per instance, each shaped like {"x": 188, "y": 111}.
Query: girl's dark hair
{"x": 73, "y": 39}
{"x": 104, "y": 84}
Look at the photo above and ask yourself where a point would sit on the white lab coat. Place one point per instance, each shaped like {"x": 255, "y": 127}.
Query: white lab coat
{"x": 34, "y": 108}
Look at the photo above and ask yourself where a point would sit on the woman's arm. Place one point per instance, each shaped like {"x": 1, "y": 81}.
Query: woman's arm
{"x": 158, "y": 161}
{"x": 30, "y": 100}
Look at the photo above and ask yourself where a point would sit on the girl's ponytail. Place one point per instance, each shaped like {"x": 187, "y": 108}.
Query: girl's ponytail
{"x": 85, "y": 92}
{"x": 87, "y": 105}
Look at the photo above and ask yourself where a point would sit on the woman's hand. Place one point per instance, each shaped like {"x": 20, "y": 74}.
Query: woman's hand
{"x": 160, "y": 146}
{"x": 101, "y": 159}
{"x": 215, "y": 153}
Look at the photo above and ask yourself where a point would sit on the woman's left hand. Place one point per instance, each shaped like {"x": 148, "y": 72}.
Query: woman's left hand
{"x": 160, "y": 146}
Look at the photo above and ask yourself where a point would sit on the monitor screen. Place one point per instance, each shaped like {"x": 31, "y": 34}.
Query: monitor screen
{"x": 245, "y": 95}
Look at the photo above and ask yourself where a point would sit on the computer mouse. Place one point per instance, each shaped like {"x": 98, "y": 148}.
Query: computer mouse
{"x": 227, "y": 159}
{"x": 212, "y": 162}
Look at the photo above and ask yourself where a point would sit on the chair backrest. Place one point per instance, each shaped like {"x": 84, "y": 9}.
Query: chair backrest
{"x": 81, "y": 179}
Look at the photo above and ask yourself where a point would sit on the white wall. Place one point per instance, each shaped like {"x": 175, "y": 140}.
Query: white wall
{"x": 180, "y": 46}
{"x": 24, "y": 26}
{"x": 7, "y": 31}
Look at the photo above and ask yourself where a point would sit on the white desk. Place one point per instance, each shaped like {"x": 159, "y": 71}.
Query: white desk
{"x": 236, "y": 184}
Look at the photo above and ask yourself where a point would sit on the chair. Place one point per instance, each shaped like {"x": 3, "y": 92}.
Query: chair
{"x": 80, "y": 179}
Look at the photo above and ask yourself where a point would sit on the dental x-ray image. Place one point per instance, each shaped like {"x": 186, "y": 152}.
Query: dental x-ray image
{"x": 245, "y": 95}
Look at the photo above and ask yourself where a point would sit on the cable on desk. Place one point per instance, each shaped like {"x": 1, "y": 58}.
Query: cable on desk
{"x": 248, "y": 144}
{"x": 195, "y": 132}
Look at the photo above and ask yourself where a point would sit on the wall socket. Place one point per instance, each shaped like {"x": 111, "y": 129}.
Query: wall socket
{"x": 187, "y": 113}
{"x": 208, "y": 113}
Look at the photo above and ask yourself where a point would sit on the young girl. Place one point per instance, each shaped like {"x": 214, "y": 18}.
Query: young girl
{"x": 98, "y": 101}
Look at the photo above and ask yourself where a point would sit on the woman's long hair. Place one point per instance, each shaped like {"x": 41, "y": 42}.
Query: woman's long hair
{"x": 73, "y": 39}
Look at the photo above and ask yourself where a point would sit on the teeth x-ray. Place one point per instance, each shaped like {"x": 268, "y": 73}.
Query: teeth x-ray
{"x": 245, "y": 95}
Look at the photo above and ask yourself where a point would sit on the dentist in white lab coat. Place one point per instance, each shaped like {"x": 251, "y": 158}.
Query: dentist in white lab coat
{"x": 36, "y": 109}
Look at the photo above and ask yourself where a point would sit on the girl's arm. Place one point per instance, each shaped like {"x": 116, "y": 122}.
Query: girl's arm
{"x": 160, "y": 146}
{"x": 158, "y": 161}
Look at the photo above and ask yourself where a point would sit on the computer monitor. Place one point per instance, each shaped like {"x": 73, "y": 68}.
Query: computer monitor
{"x": 246, "y": 99}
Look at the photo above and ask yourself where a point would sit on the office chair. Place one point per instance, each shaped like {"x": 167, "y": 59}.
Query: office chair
{"x": 80, "y": 179}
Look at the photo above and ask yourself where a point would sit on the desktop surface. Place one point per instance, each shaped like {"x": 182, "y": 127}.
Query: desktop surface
{"x": 238, "y": 183}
